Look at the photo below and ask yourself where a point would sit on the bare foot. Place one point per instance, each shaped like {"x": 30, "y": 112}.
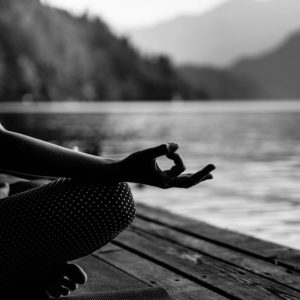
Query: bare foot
{"x": 65, "y": 280}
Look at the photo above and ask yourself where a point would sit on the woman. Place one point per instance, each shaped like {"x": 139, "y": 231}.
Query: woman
{"x": 84, "y": 206}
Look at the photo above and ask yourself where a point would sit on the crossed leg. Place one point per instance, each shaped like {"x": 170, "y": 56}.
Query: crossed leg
{"x": 45, "y": 226}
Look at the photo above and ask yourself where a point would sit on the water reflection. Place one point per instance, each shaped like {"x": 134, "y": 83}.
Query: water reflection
{"x": 256, "y": 188}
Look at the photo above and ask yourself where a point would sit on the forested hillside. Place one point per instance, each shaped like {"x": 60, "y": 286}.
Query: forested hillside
{"x": 47, "y": 54}
{"x": 221, "y": 84}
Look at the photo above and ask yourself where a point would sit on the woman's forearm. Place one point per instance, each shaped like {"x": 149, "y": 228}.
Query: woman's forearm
{"x": 21, "y": 154}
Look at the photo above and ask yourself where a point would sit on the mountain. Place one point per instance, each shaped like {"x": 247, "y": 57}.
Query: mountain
{"x": 48, "y": 54}
{"x": 220, "y": 37}
{"x": 274, "y": 75}
{"x": 278, "y": 71}
{"x": 209, "y": 83}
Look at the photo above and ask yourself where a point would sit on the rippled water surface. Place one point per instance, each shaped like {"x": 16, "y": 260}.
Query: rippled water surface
{"x": 255, "y": 146}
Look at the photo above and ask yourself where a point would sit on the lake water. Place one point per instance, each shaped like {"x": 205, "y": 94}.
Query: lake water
{"x": 255, "y": 146}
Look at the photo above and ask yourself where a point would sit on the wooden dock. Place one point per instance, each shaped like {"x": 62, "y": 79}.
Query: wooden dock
{"x": 193, "y": 260}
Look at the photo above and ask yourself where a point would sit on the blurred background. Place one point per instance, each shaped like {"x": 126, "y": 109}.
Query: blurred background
{"x": 221, "y": 78}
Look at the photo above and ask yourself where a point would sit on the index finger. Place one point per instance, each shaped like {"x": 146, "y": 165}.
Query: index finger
{"x": 164, "y": 149}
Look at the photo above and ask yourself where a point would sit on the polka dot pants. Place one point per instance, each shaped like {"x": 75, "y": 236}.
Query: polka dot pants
{"x": 63, "y": 220}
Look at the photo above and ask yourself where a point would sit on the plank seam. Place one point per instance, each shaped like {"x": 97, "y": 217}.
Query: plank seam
{"x": 137, "y": 229}
{"x": 177, "y": 271}
{"x": 123, "y": 271}
{"x": 269, "y": 259}
{"x": 198, "y": 280}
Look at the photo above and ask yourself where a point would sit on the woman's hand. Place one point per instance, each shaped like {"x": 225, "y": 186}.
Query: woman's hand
{"x": 142, "y": 167}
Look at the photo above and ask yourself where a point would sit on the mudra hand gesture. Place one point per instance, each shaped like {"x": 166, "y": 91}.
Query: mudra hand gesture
{"x": 142, "y": 167}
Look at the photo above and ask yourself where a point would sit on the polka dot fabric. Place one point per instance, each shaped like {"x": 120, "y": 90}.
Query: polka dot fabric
{"x": 57, "y": 222}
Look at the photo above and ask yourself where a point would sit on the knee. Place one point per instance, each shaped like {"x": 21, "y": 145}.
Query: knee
{"x": 102, "y": 203}
{"x": 110, "y": 208}
{"x": 100, "y": 211}
{"x": 120, "y": 205}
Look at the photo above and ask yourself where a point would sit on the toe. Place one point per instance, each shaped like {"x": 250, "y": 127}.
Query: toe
{"x": 75, "y": 273}
{"x": 64, "y": 291}
{"x": 71, "y": 285}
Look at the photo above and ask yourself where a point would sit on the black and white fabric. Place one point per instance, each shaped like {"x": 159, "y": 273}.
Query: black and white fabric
{"x": 61, "y": 221}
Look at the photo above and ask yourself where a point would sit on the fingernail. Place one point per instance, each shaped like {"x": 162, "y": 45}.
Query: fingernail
{"x": 211, "y": 167}
{"x": 172, "y": 147}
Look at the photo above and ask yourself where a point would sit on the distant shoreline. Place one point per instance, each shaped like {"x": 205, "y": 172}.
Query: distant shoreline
{"x": 152, "y": 107}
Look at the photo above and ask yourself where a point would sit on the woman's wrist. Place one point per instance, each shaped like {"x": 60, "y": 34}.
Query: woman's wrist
{"x": 110, "y": 170}
{"x": 119, "y": 170}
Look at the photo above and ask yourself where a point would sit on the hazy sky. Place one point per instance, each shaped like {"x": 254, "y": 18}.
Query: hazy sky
{"x": 122, "y": 14}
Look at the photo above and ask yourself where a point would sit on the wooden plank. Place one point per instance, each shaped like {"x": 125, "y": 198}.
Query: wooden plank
{"x": 258, "y": 266}
{"x": 155, "y": 275}
{"x": 104, "y": 277}
{"x": 195, "y": 295}
{"x": 221, "y": 277}
{"x": 247, "y": 244}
